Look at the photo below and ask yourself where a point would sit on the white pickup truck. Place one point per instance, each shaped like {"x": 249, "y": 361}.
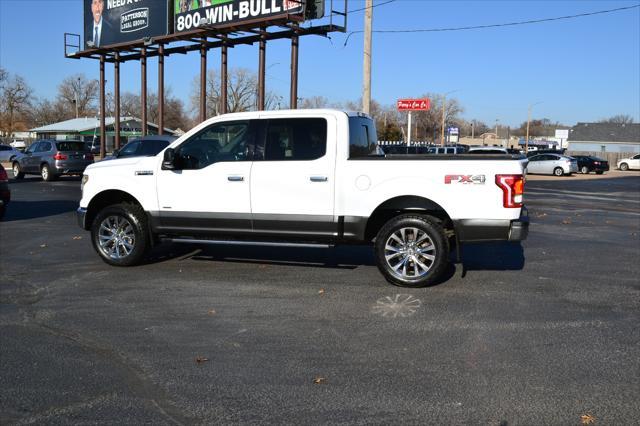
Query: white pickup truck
{"x": 303, "y": 178}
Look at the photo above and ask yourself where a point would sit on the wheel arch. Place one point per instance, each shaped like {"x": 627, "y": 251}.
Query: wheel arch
{"x": 104, "y": 199}
{"x": 401, "y": 205}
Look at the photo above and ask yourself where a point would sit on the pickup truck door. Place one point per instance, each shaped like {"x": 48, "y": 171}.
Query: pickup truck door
{"x": 292, "y": 177}
{"x": 208, "y": 191}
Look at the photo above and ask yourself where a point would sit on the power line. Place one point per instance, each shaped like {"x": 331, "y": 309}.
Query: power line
{"x": 508, "y": 24}
{"x": 375, "y": 5}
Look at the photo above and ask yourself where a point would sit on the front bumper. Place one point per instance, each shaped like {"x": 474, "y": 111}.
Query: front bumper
{"x": 81, "y": 216}
{"x": 470, "y": 230}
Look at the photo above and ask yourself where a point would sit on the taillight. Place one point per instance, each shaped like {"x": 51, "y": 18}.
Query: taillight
{"x": 596, "y": 162}
{"x": 512, "y": 190}
{"x": 88, "y": 157}
{"x": 3, "y": 175}
{"x": 59, "y": 156}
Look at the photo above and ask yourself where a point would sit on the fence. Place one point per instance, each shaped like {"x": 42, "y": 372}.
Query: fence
{"x": 611, "y": 157}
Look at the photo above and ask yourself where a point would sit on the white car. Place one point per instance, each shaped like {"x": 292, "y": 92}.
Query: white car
{"x": 552, "y": 164}
{"x": 18, "y": 144}
{"x": 302, "y": 178}
{"x": 632, "y": 163}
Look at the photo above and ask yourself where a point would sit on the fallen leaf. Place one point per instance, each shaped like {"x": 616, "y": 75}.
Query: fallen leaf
{"x": 201, "y": 359}
{"x": 211, "y": 312}
{"x": 43, "y": 245}
{"x": 608, "y": 222}
{"x": 578, "y": 214}
{"x": 566, "y": 221}
{"x": 587, "y": 419}
{"x": 541, "y": 214}
{"x": 319, "y": 380}
{"x": 321, "y": 291}
{"x": 77, "y": 237}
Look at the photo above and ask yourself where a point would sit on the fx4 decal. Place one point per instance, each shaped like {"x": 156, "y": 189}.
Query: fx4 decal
{"x": 467, "y": 179}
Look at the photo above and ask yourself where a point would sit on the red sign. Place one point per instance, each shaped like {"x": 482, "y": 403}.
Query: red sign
{"x": 414, "y": 104}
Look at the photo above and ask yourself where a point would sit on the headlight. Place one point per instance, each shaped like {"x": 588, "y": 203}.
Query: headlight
{"x": 85, "y": 179}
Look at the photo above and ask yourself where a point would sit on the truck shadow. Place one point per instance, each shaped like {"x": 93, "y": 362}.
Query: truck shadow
{"x": 492, "y": 256}
{"x": 25, "y": 210}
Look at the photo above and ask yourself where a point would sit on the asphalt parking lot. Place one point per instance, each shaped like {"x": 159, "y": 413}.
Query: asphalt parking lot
{"x": 543, "y": 332}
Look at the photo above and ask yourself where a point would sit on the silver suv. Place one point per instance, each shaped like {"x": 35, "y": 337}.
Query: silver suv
{"x": 51, "y": 159}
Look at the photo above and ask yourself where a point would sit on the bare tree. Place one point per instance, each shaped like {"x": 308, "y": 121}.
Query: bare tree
{"x": 429, "y": 122}
{"x": 619, "y": 119}
{"x": 78, "y": 89}
{"x": 314, "y": 102}
{"x": 47, "y": 112}
{"x": 15, "y": 99}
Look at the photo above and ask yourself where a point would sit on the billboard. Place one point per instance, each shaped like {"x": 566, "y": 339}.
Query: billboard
{"x": 188, "y": 14}
{"x": 108, "y": 22}
{"x": 413, "y": 104}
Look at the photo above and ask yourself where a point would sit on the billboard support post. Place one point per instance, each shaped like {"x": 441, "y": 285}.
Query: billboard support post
{"x": 103, "y": 130}
{"x": 261, "y": 73}
{"x": 409, "y": 129}
{"x": 143, "y": 89}
{"x": 203, "y": 81}
{"x": 161, "y": 89}
{"x": 223, "y": 79}
{"x": 116, "y": 99}
{"x": 293, "y": 95}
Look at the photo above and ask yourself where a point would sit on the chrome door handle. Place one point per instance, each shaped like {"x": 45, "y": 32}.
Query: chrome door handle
{"x": 318, "y": 178}
{"x": 235, "y": 178}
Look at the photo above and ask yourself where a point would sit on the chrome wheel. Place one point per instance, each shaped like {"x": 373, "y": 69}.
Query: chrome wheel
{"x": 410, "y": 253}
{"x": 16, "y": 169}
{"x": 45, "y": 172}
{"x": 116, "y": 237}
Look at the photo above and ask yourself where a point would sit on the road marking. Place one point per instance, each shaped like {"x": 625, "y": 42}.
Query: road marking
{"x": 403, "y": 305}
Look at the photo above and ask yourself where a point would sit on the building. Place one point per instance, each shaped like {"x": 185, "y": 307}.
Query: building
{"x": 605, "y": 137}
{"x": 88, "y": 130}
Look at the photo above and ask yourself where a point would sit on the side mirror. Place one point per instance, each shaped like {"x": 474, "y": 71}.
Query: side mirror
{"x": 168, "y": 162}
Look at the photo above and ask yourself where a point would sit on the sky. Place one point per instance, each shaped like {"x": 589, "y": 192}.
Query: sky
{"x": 575, "y": 70}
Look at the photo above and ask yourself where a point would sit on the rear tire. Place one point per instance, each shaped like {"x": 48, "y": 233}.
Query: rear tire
{"x": 558, "y": 171}
{"x": 119, "y": 234}
{"x": 412, "y": 250}
{"x": 17, "y": 171}
{"x": 584, "y": 170}
{"x": 45, "y": 172}
{"x": 599, "y": 172}
{"x": 624, "y": 167}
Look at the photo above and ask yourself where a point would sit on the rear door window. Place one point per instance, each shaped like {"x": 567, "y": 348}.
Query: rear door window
{"x": 43, "y": 147}
{"x": 363, "y": 140}
{"x": 295, "y": 139}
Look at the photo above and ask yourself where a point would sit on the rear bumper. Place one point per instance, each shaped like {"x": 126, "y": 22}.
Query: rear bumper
{"x": 469, "y": 230}
{"x": 81, "y": 216}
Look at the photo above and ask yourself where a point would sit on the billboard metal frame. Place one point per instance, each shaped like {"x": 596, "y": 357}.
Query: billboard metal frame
{"x": 202, "y": 39}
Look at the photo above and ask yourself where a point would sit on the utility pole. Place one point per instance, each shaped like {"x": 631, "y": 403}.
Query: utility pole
{"x": 366, "y": 68}
{"x": 526, "y": 141}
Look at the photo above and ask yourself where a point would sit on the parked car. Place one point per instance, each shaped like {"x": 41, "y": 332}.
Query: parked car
{"x": 5, "y": 193}
{"x": 8, "y": 153}
{"x": 552, "y": 164}
{"x": 18, "y": 144}
{"x": 632, "y": 163}
{"x": 588, "y": 164}
{"x": 298, "y": 179}
{"x": 50, "y": 159}
{"x": 487, "y": 150}
{"x": 146, "y": 146}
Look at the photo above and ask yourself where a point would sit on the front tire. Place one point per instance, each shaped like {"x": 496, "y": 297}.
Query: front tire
{"x": 119, "y": 234}
{"x": 584, "y": 170}
{"x": 558, "y": 171}
{"x": 17, "y": 171}
{"x": 412, "y": 250}
{"x": 624, "y": 167}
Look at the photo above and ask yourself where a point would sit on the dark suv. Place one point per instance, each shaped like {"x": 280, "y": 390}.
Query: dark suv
{"x": 50, "y": 159}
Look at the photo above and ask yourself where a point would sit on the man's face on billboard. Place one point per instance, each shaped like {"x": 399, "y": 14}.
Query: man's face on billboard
{"x": 96, "y": 9}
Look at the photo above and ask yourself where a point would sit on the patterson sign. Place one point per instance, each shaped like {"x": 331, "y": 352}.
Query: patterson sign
{"x": 189, "y": 14}
{"x": 414, "y": 104}
{"x": 109, "y": 22}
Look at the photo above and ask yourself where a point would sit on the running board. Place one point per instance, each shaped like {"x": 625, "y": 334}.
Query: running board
{"x": 248, "y": 243}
